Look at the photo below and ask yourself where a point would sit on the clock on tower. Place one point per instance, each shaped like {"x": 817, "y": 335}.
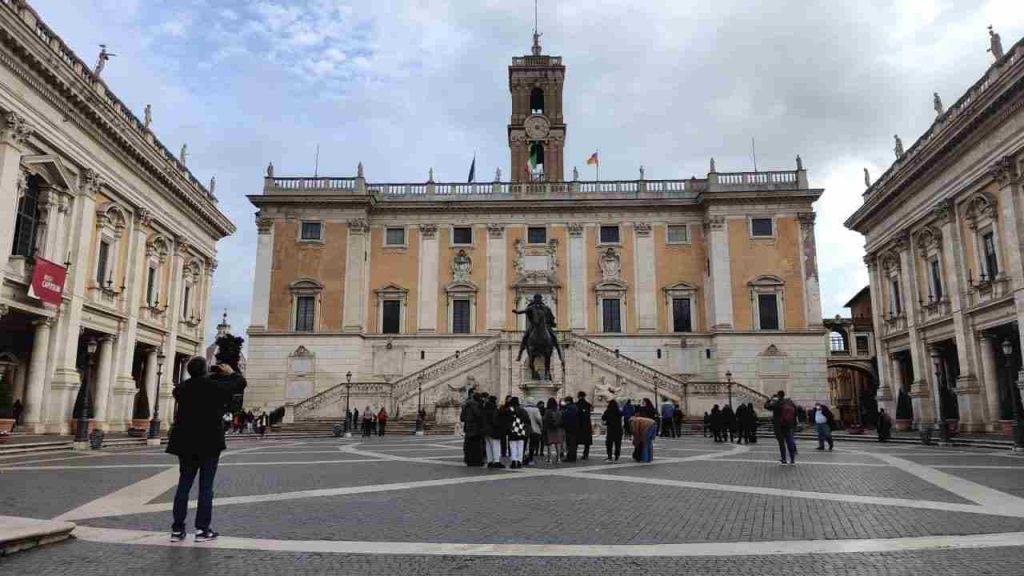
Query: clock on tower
{"x": 536, "y": 131}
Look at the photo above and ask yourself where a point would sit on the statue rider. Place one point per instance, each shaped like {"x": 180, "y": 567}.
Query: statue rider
{"x": 538, "y": 302}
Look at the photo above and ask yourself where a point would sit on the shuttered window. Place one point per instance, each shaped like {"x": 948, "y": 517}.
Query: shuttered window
{"x": 611, "y": 315}
{"x": 460, "y": 317}
{"x": 305, "y": 312}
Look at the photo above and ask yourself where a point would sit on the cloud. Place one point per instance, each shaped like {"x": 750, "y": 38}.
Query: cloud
{"x": 406, "y": 86}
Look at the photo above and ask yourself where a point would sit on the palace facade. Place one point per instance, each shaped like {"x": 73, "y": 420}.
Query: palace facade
{"x": 376, "y": 293}
{"x": 943, "y": 229}
{"x": 86, "y": 188}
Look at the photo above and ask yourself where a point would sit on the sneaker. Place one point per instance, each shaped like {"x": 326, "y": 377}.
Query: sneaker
{"x": 783, "y": 462}
{"x": 177, "y": 536}
{"x": 792, "y": 463}
{"x": 206, "y": 535}
{"x": 607, "y": 459}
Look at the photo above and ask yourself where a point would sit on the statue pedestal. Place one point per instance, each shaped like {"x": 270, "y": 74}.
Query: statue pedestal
{"x": 540, "y": 390}
{"x": 447, "y": 412}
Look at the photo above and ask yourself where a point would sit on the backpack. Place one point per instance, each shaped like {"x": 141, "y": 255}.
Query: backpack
{"x": 787, "y": 414}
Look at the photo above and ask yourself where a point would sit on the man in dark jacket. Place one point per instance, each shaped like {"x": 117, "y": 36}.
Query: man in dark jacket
{"x": 784, "y": 422}
{"x": 197, "y": 439}
{"x": 586, "y": 435}
{"x": 472, "y": 418}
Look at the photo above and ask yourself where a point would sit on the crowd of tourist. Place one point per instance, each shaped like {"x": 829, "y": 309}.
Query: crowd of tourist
{"x": 728, "y": 425}
{"x": 556, "y": 430}
{"x": 246, "y": 422}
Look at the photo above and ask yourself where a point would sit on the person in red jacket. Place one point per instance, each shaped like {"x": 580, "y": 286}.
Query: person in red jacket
{"x": 382, "y": 420}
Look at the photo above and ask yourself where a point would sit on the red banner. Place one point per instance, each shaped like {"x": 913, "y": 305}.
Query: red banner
{"x": 47, "y": 282}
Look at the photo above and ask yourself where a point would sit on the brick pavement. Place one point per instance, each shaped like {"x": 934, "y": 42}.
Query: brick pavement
{"x": 696, "y": 492}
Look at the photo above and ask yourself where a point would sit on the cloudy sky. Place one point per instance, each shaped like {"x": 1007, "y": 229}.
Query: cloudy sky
{"x": 406, "y": 86}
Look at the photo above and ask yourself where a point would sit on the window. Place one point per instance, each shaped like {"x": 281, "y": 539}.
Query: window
{"x": 936, "y": 278}
{"x": 837, "y": 341}
{"x": 679, "y": 234}
{"x": 761, "y": 227}
{"x": 186, "y": 301}
{"x": 311, "y": 230}
{"x": 991, "y": 262}
{"x": 611, "y": 315}
{"x": 536, "y": 160}
{"x": 862, "y": 346}
{"x": 895, "y": 303}
{"x": 536, "y": 235}
{"x": 681, "y": 321}
{"x": 536, "y": 101}
{"x": 462, "y": 235}
{"x": 305, "y": 312}
{"x": 102, "y": 257}
{"x": 151, "y": 286}
{"x": 460, "y": 317}
{"x": 392, "y": 317}
{"x": 609, "y": 234}
{"x": 394, "y": 237}
{"x": 26, "y": 220}
{"x": 768, "y": 311}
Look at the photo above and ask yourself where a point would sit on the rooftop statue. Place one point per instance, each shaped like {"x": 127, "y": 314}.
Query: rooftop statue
{"x": 898, "y": 149}
{"x": 995, "y": 43}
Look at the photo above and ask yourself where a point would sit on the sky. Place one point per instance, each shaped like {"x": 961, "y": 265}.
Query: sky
{"x": 404, "y": 87}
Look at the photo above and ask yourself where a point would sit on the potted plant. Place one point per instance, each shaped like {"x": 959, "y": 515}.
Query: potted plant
{"x": 904, "y": 412}
{"x": 140, "y": 411}
{"x": 6, "y": 408}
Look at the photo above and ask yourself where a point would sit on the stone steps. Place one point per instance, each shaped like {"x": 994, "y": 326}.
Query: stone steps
{"x": 17, "y": 533}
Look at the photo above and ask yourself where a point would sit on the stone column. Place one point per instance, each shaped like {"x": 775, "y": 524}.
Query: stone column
{"x": 717, "y": 230}
{"x": 101, "y": 394}
{"x": 14, "y": 136}
{"x": 354, "y": 311}
{"x": 261, "y": 281}
{"x": 427, "y": 282}
{"x": 577, "y": 278}
{"x": 33, "y": 416}
{"x": 919, "y": 389}
{"x": 497, "y": 282}
{"x": 938, "y": 372}
{"x": 888, "y": 386}
{"x": 645, "y": 296}
{"x": 809, "y": 267}
{"x": 990, "y": 380}
{"x": 149, "y": 379}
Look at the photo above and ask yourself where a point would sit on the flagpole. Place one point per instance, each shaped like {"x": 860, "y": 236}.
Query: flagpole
{"x": 597, "y": 165}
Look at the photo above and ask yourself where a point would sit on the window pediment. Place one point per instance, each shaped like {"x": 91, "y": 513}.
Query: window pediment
{"x": 112, "y": 216}
{"x": 928, "y": 238}
{"x": 391, "y": 289}
{"x": 766, "y": 281}
{"x": 461, "y": 287}
{"x": 306, "y": 286}
{"x": 680, "y": 288}
{"x": 980, "y": 207}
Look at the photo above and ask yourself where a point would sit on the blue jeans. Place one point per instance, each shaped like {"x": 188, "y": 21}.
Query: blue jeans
{"x": 188, "y": 466}
{"x": 786, "y": 442}
{"x": 824, "y": 433}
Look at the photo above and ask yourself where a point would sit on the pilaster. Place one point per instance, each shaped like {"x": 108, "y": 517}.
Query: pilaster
{"x": 261, "y": 279}
{"x": 101, "y": 394}
{"x": 33, "y": 416}
{"x": 577, "y": 277}
{"x": 809, "y": 269}
{"x": 721, "y": 311}
{"x": 427, "y": 279}
{"x": 14, "y": 137}
{"x": 497, "y": 282}
{"x": 357, "y": 256}
{"x": 645, "y": 295}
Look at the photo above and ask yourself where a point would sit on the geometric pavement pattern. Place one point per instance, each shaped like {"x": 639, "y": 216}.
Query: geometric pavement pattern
{"x": 409, "y": 505}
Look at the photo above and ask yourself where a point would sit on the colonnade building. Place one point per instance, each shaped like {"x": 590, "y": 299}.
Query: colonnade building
{"x": 401, "y": 294}
{"x": 943, "y": 228}
{"x": 88, "y": 190}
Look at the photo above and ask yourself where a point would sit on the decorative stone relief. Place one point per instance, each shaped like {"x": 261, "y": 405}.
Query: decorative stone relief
{"x": 462, "y": 266}
{"x": 575, "y": 229}
{"x": 982, "y": 205}
{"x": 611, "y": 266}
{"x": 943, "y": 212}
{"x": 16, "y": 129}
{"x": 358, "y": 226}
{"x": 929, "y": 237}
{"x": 1004, "y": 171}
{"x": 496, "y": 230}
{"x": 714, "y": 223}
{"x": 91, "y": 182}
{"x": 642, "y": 228}
{"x": 263, "y": 225}
{"x": 183, "y": 248}
{"x": 428, "y": 231}
{"x": 144, "y": 217}
{"x": 806, "y": 219}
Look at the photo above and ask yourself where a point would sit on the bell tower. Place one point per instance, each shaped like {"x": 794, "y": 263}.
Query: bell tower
{"x": 536, "y": 130}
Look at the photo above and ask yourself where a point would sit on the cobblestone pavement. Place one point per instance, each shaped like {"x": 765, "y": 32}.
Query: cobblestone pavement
{"x": 407, "y": 506}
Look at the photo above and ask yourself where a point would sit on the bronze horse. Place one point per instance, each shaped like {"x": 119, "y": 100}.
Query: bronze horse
{"x": 541, "y": 342}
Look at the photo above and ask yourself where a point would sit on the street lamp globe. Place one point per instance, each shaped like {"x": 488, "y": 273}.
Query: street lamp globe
{"x": 348, "y": 377}
{"x": 1007, "y": 348}
{"x": 91, "y": 346}
{"x": 728, "y": 376}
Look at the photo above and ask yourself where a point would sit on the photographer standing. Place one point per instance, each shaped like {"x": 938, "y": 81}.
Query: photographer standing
{"x": 197, "y": 439}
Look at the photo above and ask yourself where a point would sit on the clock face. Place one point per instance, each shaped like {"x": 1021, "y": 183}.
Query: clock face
{"x": 536, "y": 127}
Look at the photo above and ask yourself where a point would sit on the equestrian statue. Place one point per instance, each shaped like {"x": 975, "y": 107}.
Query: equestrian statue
{"x": 540, "y": 339}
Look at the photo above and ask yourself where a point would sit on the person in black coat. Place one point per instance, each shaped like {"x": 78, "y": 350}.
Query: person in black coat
{"x": 728, "y": 423}
{"x": 197, "y": 439}
{"x": 472, "y": 418}
{"x": 716, "y": 422}
{"x": 586, "y": 435}
{"x": 571, "y": 424}
{"x": 612, "y": 419}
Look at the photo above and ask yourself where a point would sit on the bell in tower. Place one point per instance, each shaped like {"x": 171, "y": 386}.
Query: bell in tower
{"x": 536, "y": 131}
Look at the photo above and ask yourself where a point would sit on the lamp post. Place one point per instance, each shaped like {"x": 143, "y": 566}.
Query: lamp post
{"x": 82, "y": 433}
{"x": 1018, "y": 425}
{"x": 419, "y": 405}
{"x": 348, "y": 398}
{"x": 153, "y": 438}
{"x": 728, "y": 383}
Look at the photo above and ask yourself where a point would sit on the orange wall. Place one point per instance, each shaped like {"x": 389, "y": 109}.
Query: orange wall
{"x": 478, "y": 254}
{"x": 779, "y": 256}
{"x": 680, "y": 263}
{"x": 324, "y": 262}
{"x": 512, "y": 233}
{"x": 394, "y": 266}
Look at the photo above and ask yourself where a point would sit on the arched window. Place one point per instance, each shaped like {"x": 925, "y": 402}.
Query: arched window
{"x": 837, "y": 341}
{"x": 537, "y": 159}
{"x": 536, "y": 101}
{"x": 27, "y": 219}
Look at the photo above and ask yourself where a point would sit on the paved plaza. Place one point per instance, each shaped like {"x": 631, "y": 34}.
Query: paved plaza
{"x": 407, "y": 505}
